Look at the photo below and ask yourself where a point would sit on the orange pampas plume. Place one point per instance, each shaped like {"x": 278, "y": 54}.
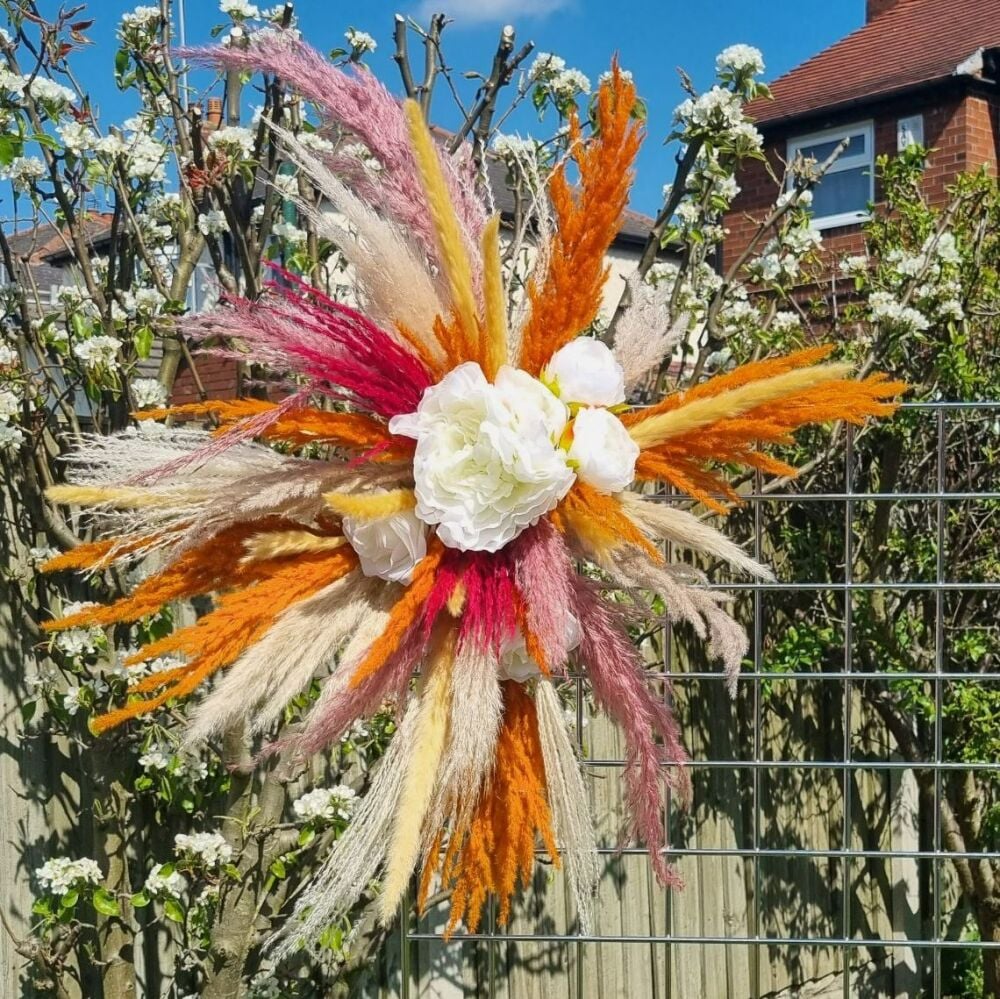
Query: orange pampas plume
{"x": 498, "y": 848}
{"x": 220, "y": 637}
{"x": 568, "y": 299}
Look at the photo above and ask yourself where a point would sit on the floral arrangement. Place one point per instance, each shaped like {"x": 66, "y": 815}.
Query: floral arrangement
{"x": 451, "y": 490}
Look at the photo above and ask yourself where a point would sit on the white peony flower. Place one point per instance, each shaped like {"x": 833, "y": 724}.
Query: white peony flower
{"x": 602, "y": 451}
{"x": 487, "y": 464}
{"x": 389, "y": 547}
{"x": 586, "y": 372}
{"x": 517, "y": 664}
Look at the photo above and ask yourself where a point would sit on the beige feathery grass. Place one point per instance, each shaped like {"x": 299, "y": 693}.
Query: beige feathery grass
{"x": 371, "y": 506}
{"x": 454, "y": 258}
{"x": 727, "y": 405}
{"x": 571, "y": 819}
{"x": 421, "y": 773}
{"x": 495, "y": 304}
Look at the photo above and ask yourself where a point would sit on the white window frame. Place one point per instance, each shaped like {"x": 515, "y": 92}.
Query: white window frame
{"x": 844, "y": 162}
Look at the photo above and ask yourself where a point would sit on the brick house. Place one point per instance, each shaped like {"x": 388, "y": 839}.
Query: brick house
{"x": 923, "y": 71}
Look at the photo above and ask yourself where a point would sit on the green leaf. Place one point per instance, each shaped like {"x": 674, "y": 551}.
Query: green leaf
{"x": 278, "y": 868}
{"x": 69, "y": 899}
{"x": 28, "y": 711}
{"x": 232, "y": 871}
{"x": 105, "y": 903}
{"x": 172, "y": 910}
{"x": 139, "y": 900}
{"x": 11, "y": 145}
{"x": 306, "y": 836}
{"x": 42, "y": 907}
{"x": 143, "y": 341}
{"x": 121, "y": 62}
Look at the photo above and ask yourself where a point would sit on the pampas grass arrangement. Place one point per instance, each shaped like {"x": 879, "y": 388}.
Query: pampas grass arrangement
{"x": 479, "y": 464}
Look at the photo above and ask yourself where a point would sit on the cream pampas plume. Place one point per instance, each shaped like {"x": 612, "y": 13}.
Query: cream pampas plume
{"x": 571, "y": 819}
{"x": 477, "y": 706}
{"x": 645, "y": 336}
{"x": 260, "y": 683}
{"x": 354, "y": 861}
{"x": 664, "y": 522}
{"x": 421, "y": 773}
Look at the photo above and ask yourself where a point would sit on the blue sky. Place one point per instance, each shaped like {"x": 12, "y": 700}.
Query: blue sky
{"x": 653, "y": 37}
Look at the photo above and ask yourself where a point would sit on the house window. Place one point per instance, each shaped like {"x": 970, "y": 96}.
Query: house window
{"x": 842, "y": 196}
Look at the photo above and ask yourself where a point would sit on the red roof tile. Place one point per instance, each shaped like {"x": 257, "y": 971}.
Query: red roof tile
{"x": 915, "y": 42}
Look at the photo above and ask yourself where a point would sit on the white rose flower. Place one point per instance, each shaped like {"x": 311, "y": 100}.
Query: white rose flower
{"x": 388, "y": 547}
{"x": 602, "y": 451}
{"x": 486, "y": 464}
{"x": 517, "y": 664}
{"x": 586, "y": 372}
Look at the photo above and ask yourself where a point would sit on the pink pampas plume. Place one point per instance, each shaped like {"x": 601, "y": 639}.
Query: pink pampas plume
{"x": 330, "y": 344}
{"x": 358, "y": 102}
{"x": 542, "y": 572}
{"x": 616, "y": 673}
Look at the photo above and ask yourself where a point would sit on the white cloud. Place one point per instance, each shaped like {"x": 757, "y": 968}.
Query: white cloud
{"x": 478, "y": 11}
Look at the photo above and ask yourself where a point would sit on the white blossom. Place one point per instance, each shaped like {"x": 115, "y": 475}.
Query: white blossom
{"x": 545, "y": 66}
{"x": 208, "y": 848}
{"x": 148, "y": 392}
{"x": 10, "y": 403}
{"x": 951, "y": 309}
{"x": 315, "y": 142}
{"x": 360, "y": 41}
{"x": 76, "y": 136}
{"x": 568, "y": 83}
{"x": 11, "y": 82}
{"x": 290, "y": 232}
{"x": 886, "y": 308}
{"x": 855, "y": 266}
{"x": 785, "y": 322}
{"x": 717, "y": 109}
{"x": 48, "y": 91}
{"x": 586, "y": 372}
{"x": 23, "y": 172}
{"x": 141, "y": 19}
{"x": 486, "y": 464}
{"x": 234, "y": 140}
{"x": 239, "y": 9}
{"x": 325, "y": 803}
{"x": 213, "y": 222}
{"x": 607, "y": 76}
{"x": 513, "y": 147}
{"x": 159, "y": 884}
{"x": 60, "y": 874}
{"x": 97, "y": 351}
{"x": 11, "y": 437}
{"x": 740, "y": 59}
{"x": 944, "y": 248}
{"x": 155, "y": 759}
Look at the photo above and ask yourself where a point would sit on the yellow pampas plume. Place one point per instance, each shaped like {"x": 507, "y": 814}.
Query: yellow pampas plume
{"x": 278, "y": 544}
{"x": 121, "y": 497}
{"x": 418, "y": 784}
{"x": 495, "y": 318}
{"x": 454, "y": 256}
{"x": 727, "y": 405}
{"x": 371, "y": 506}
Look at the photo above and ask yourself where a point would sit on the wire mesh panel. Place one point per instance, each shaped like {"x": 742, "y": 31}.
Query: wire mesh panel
{"x": 844, "y": 834}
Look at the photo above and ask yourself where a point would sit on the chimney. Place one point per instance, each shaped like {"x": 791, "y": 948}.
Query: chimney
{"x": 876, "y": 8}
{"x": 214, "y": 119}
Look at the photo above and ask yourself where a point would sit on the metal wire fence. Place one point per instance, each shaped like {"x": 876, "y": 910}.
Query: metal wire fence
{"x": 879, "y": 838}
